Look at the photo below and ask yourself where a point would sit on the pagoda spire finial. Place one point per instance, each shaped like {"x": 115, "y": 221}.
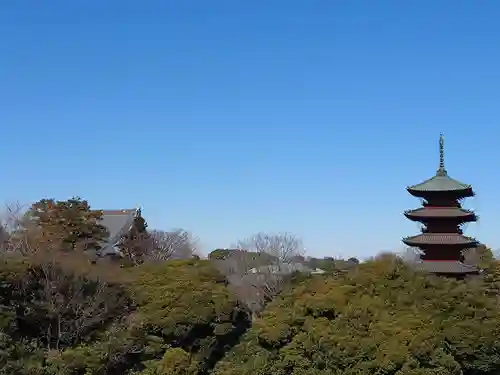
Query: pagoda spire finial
{"x": 442, "y": 170}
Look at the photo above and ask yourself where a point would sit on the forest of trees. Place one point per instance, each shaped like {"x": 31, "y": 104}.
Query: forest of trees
{"x": 160, "y": 309}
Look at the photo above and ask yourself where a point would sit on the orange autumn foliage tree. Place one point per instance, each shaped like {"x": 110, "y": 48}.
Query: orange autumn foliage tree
{"x": 66, "y": 225}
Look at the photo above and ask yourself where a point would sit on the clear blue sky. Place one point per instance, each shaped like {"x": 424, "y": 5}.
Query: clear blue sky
{"x": 232, "y": 117}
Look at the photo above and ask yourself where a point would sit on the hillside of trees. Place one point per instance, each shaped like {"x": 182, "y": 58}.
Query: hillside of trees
{"x": 159, "y": 309}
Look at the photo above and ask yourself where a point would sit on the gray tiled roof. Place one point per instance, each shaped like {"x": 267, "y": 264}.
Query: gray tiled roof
{"x": 440, "y": 182}
{"x": 118, "y": 222}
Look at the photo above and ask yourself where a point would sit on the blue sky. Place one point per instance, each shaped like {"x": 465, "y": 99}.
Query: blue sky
{"x": 232, "y": 117}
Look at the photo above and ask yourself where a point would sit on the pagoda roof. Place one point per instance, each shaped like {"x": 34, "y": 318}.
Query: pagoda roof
{"x": 437, "y": 212}
{"x": 441, "y": 182}
{"x": 446, "y": 267}
{"x": 439, "y": 239}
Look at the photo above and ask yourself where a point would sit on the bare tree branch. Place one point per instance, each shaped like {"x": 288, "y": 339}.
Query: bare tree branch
{"x": 410, "y": 255}
{"x": 75, "y": 304}
{"x": 17, "y": 231}
{"x": 12, "y": 216}
{"x": 480, "y": 256}
{"x": 259, "y": 267}
{"x": 282, "y": 246}
{"x": 175, "y": 244}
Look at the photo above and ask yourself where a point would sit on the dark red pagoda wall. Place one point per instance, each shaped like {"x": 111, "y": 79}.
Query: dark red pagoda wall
{"x": 441, "y": 202}
{"x": 442, "y": 226}
{"x": 446, "y": 197}
{"x": 442, "y": 253}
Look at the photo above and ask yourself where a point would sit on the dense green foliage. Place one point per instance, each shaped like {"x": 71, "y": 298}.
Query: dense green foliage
{"x": 63, "y": 314}
{"x": 135, "y": 243}
{"x": 66, "y": 317}
{"x": 56, "y": 321}
{"x": 246, "y": 258}
{"x": 380, "y": 318}
{"x": 67, "y": 225}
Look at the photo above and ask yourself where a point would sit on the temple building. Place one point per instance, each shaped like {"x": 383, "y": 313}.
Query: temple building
{"x": 118, "y": 223}
{"x": 442, "y": 242}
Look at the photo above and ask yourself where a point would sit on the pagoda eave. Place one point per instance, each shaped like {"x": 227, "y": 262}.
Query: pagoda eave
{"x": 460, "y": 194}
{"x": 422, "y": 245}
{"x": 438, "y": 213}
{"x": 446, "y": 268}
{"x": 440, "y": 239}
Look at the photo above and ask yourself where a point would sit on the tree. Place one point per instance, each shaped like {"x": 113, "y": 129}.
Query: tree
{"x": 480, "y": 256}
{"x": 183, "y": 323}
{"x": 327, "y": 264}
{"x": 67, "y": 225}
{"x": 4, "y": 238}
{"x": 134, "y": 244}
{"x": 175, "y": 244}
{"x": 410, "y": 255}
{"x": 50, "y": 304}
{"x": 62, "y": 315}
{"x": 72, "y": 305}
{"x": 221, "y": 254}
{"x": 282, "y": 246}
{"x": 378, "y": 318}
{"x": 353, "y": 260}
{"x": 11, "y": 219}
{"x": 175, "y": 361}
{"x": 13, "y": 235}
{"x": 260, "y": 266}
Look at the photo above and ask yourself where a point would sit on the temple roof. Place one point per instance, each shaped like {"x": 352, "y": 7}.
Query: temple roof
{"x": 446, "y": 267}
{"x": 441, "y": 182}
{"x": 438, "y": 212}
{"x": 118, "y": 222}
{"x": 439, "y": 239}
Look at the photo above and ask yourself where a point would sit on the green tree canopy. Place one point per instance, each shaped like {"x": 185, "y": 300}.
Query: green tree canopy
{"x": 379, "y": 318}
{"x": 67, "y": 225}
{"x": 134, "y": 244}
{"x": 61, "y": 317}
{"x": 179, "y": 304}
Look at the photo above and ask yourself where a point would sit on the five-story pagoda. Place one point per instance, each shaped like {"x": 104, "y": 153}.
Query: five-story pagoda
{"x": 442, "y": 241}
